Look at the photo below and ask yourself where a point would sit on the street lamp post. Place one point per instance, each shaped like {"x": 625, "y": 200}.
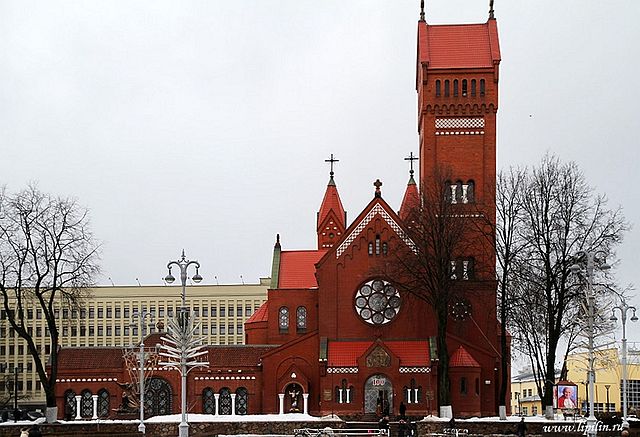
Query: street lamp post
{"x": 141, "y": 316}
{"x": 183, "y": 264}
{"x": 586, "y": 262}
{"x": 607, "y": 387}
{"x": 624, "y": 308}
{"x": 4, "y": 367}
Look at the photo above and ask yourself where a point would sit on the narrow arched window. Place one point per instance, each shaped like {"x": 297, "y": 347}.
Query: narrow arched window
{"x": 448, "y": 190}
{"x": 385, "y": 249}
{"x": 301, "y": 319}
{"x": 103, "y": 403}
{"x": 370, "y": 249}
{"x": 446, "y": 88}
{"x": 458, "y": 192}
{"x": 471, "y": 192}
{"x": 377, "y": 244}
{"x": 464, "y": 87}
{"x": 438, "y": 88}
{"x": 283, "y": 319}
{"x": 86, "y": 403}
{"x": 482, "y": 87}
{"x": 224, "y": 401}
{"x": 473, "y": 87}
{"x": 455, "y": 88}
{"x": 69, "y": 405}
{"x": 242, "y": 401}
{"x": 208, "y": 401}
{"x": 463, "y": 386}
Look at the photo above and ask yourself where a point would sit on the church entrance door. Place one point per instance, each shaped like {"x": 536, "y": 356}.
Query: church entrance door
{"x": 378, "y": 391}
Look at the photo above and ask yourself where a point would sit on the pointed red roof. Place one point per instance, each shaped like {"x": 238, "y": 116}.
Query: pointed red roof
{"x": 458, "y": 45}
{"x": 410, "y": 200}
{"x": 331, "y": 202}
{"x": 462, "y": 358}
{"x": 260, "y": 315}
{"x": 298, "y": 268}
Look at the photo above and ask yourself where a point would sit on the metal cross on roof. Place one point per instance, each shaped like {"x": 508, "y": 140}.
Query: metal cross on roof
{"x": 411, "y": 158}
{"x": 331, "y": 161}
{"x": 421, "y": 10}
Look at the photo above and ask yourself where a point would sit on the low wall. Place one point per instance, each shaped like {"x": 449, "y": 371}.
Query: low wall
{"x": 210, "y": 429}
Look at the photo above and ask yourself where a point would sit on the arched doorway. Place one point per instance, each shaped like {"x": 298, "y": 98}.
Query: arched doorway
{"x": 157, "y": 397}
{"x": 378, "y": 389}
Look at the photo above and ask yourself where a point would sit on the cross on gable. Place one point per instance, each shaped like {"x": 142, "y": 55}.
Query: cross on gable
{"x": 377, "y": 184}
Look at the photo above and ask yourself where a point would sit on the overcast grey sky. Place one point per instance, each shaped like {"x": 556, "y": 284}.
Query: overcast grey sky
{"x": 204, "y": 125}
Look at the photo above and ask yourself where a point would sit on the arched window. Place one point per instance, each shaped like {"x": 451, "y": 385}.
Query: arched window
{"x": 283, "y": 319}
{"x": 208, "y": 401}
{"x": 385, "y": 248}
{"x": 242, "y": 401}
{"x": 103, "y": 403}
{"x": 86, "y": 403}
{"x": 69, "y": 404}
{"x": 224, "y": 406}
{"x": 482, "y": 87}
{"x": 438, "y": 86}
{"x": 377, "y": 244}
{"x": 464, "y": 87}
{"x": 448, "y": 191}
{"x": 473, "y": 87}
{"x": 455, "y": 88}
{"x": 370, "y": 249}
{"x": 446, "y": 88}
{"x": 471, "y": 192}
{"x": 463, "y": 385}
{"x": 344, "y": 393}
{"x": 301, "y": 319}
{"x": 468, "y": 269}
{"x": 157, "y": 397}
{"x": 458, "y": 198}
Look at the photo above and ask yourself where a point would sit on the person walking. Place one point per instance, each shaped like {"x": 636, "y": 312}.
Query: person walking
{"x": 522, "y": 428}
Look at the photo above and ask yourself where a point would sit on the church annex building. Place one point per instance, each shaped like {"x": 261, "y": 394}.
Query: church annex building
{"x": 333, "y": 336}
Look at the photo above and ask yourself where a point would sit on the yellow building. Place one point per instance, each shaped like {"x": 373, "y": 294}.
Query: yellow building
{"x": 106, "y": 320}
{"x": 608, "y": 381}
{"x": 525, "y": 400}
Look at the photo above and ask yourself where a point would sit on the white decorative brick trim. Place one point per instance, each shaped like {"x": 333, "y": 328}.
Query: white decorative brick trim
{"x": 218, "y": 378}
{"x": 378, "y": 209}
{"x": 415, "y": 370}
{"x": 469, "y": 132}
{"x": 342, "y": 370}
{"x": 460, "y": 123}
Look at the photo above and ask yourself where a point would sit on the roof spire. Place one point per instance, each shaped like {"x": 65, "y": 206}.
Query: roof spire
{"x": 422, "y": 10}
{"x": 491, "y": 16}
{"x": 331, "y": 161}
{"x": 411, "y": 158}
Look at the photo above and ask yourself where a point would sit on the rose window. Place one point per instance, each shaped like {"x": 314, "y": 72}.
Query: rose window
{"x": 377, "y": 302}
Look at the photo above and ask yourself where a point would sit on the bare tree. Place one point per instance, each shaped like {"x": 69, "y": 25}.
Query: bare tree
{"x": 48, "y": 258}
{"x": 438, "y": 225}
{"x": 561, "y": 216}
{"x": 509, "y": 218}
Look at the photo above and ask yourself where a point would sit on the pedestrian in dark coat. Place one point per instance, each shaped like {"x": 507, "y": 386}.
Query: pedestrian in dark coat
{"x": 522, "y": 428}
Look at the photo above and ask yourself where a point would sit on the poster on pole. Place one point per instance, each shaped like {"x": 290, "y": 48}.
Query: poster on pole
{"x": 566, "y": 396}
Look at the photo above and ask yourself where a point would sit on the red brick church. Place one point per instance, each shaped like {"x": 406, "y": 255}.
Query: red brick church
{"x": 333, "y": 336}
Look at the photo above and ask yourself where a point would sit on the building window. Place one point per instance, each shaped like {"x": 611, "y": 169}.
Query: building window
{"x": 242, "y": 401}
{"x": 208, "y": 401}
{"x": 283, "y": 319}
{"x": 464, "y": 87}
{"x": 438, "y": 88}
{"x": 370, "y": 249}
{"x": 301, "y": 319}
{"x": 413, "y": 393}
{"x": 377, "y": 244}
{"x": 344, "y": 393}
{"x": 463, "y": 386}
{"x": 103, "y": 403}
{"x": 86, "y": 404}
{"x": 214, "y": 311}
{"x": 224, "y": 401}
{"x": 69, "y": 405}
{"x": 377, "y": 302}
{"x": 473, "y": 87}
{"x": 460, "y": 192}
{"x": 446, "y": 88}
{"x": 385, "y": 249}
{"x": 239, "y": 311}
{"x": 482, "y": 87}
{"x": 455, "y": 88}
